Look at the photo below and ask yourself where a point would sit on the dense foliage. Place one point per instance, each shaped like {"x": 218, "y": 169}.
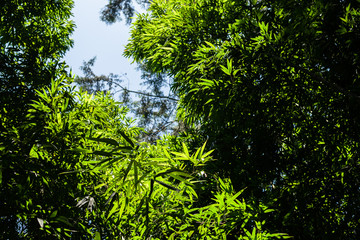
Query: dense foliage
{"x": 33, "y": 38}
{"x": 274, "y": 87}
{"x": 155, "y": 107}
{"x": 268, "y": 90}
{"x": 71, "y": 164}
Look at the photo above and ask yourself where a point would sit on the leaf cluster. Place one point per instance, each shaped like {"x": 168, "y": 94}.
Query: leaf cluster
{"x": 154, "y": 109}
{"x": 72, "y": 165}
{"x": 274, "y": 87}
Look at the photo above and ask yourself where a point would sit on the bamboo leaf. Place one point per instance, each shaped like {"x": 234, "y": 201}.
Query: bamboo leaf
{"x": 135, "y": 174}
{"x": 126, "y": 138}
{"x": 186, "y": 151}
{"x": 167, "y": 186}
{"x": 106, "y": 140}
{"x": 112, "y": 211}
{"x": 63, "y": 220}
{"x": 80, "y": 150}
{"x": 103, "y": 153}
{"x": 97, "y": 236}
{"x": 53, "y": 214}
{"x": 225, "y": 70}
{"x": 127, "y": 170}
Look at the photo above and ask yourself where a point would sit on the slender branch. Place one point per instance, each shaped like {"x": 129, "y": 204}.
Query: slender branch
{"x": 146, "y": 94}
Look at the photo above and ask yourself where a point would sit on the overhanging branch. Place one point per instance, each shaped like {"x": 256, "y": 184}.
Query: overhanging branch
{"x": 146, "y": 94}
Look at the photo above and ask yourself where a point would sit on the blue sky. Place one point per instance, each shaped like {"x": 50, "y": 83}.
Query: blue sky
{"x": 92, "y": 37}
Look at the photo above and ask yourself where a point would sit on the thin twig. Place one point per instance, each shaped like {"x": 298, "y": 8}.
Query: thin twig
{"x": 146, "y": 94}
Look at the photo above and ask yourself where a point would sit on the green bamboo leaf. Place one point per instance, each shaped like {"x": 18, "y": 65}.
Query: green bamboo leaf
{"x": 169, "y": 171}
{"x": 235, "y": 196}
{"x": 181, "y": 156}
{"x": 127, "y": 138}
{"x": 53, "y": 214}
{"x": 181, "y": 173}
{"x": 229, "y": 64}
{"x": 103, "y": 153}
{"x": 112, "y": 211}
{"x": 100, "y": 185}
{"x": 122, "y": 148}
{"x": 167, "y": 48}
{"x": 127, "y": 170}
{"x": 202, "y": 150}
{"x": 140, "y": 204}
{"x": 186, "y": 151}
{"x": 106, "y": 140}
{"x": 63, "y": 220}
{"x": 97, "y": 236}
{"x": 235, "y": 72}
{"x": 207, "y": 153}
{"x": 209, "y": 101}
{"x": 124, "y": 202}
{"x": 158, "y": 162}
{"x": 167, "y": 186}
{"x": 177, "y": 177}
{"x": 225, "y": 70}
{"x": 196, "y": 154}
{"x": 80, "y": 150}
{"x": 166, "y": 153}
{"x": 206, "y": 82}
{"x": 71, "y": 172}
{"x": 190, "y": 191}
{"x": 210, "y": 44}
{"x": 268, "y": 210}
{"x": 135, "y": 174}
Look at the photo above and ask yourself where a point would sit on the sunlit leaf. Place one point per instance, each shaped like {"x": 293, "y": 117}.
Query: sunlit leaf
{"x": 106, "y": 140}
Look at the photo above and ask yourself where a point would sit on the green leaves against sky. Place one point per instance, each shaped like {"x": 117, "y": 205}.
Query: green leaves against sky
{"x": 269, "y": 105}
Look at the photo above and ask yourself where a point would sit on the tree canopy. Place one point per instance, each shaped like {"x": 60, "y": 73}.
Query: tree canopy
{"x": 155, "y": 107}
{"x": 274, "y": 87}
{"x": 268, "y": 92}
{"x": 112, "y": 11}
{"x": 72, "y": 165}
